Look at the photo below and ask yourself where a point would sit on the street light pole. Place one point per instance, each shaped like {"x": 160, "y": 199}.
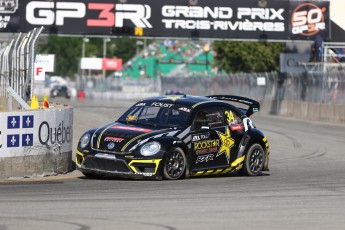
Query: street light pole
{"x": 206, "y": 50}
{"x": 105, "y": 40}
{"x": 85, "y": 40}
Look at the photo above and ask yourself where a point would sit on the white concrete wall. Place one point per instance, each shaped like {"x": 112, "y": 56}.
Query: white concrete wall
{"x": 36, "y": 142}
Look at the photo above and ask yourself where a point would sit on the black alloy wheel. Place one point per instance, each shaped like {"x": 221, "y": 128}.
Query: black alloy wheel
{"x": 175, "y": 164}
{"x": 254, "y": 160}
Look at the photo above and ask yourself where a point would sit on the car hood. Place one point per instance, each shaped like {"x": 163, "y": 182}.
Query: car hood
{"x": 119, "y": 137}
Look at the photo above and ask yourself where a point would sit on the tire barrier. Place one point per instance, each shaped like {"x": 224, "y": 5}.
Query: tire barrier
{"x": 36, "y": 142}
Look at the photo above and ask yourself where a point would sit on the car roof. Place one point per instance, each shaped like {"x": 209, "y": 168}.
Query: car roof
{"x": 186, "y": 100}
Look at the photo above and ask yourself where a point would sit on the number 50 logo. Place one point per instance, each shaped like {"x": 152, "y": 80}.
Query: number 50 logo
{"x": 308, "y": 19}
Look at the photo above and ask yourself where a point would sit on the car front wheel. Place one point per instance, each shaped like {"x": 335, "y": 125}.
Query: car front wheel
{"x": 254, "y": 160}
{"x": 174, "y": 164}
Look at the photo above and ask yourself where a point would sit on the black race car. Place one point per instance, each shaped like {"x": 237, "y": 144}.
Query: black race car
{"x": 173, "y": 137}
{"x": 60, "y": 91}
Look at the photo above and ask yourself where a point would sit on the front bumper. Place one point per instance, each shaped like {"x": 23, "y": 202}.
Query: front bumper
{"x": 104, "y": 164}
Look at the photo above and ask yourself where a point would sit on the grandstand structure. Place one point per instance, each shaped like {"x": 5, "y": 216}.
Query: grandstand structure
{"x": 332, "y": 59}
{"x": 170, "y": 57}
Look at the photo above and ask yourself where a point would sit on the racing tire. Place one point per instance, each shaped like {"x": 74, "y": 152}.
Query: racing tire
{"x": 93, "y": 176}
{"x": 254, "y": 161}
{"x": 175, "y": 164}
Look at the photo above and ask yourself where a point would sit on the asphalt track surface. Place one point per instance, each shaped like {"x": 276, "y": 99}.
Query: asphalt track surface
{"x": 305, "y": 188}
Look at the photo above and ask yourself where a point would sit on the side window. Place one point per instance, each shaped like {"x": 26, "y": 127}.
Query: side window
{"x": 209, "y": 118}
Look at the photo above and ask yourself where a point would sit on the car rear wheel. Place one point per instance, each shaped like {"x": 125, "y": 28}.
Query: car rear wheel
{"x": 174, "y": 164}
{"x": 254, "y": 161}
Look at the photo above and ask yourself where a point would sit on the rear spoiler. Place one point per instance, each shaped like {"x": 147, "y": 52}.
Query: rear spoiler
{"x": 254, "y": 106}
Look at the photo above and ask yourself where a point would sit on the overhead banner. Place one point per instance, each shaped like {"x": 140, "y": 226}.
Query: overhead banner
{"x": 216, "y": 19}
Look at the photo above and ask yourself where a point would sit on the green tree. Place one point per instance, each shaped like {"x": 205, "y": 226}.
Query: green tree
{"x": 124, "y": 48}
{"x": 247, "y": 56}
{"x": 67, "y": 52}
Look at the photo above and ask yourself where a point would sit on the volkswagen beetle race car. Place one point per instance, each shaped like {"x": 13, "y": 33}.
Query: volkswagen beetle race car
{"x": 179, "y": 136}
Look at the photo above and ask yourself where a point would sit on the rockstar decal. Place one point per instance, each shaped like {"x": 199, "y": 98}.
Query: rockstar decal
{"x": 227, "y": 143}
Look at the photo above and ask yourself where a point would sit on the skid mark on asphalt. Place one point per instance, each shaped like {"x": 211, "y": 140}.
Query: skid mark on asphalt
{"x": 296, "y": 145}
{"x": 49, "y": 221}
{"x": 295, "y": 142}
{"x": 155, "y": 225}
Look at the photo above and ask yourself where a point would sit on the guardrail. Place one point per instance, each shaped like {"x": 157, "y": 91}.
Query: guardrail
{"x": 17, "y": 68}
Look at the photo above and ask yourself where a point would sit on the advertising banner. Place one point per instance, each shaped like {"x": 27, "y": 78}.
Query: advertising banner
{"x": 9, "y": 16}
{"x": 292, "y": 62}
{"x": 112, "y": 64}
{"x": 101, "y": 64}
{"x": 216, "y": 19}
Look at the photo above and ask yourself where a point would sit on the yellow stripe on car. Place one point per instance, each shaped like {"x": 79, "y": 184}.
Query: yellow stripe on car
{"x": 218, "y": 171}
{"x": 227, "y": 170}
{"x": 237, "y": 161}
{"x": 154, "y": 161}
{"x": 100, "y": 136}
{"x": 195, "y": 105}
{"x": 199, "y": 173}
{"x": 208, "y": 172}
{"x": 137, "y": 137}
{"x": 76, "y": 159}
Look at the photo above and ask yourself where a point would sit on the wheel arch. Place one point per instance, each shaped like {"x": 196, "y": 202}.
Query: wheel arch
{"x": 254, "y": 136}
{"x": 170, "y": 142}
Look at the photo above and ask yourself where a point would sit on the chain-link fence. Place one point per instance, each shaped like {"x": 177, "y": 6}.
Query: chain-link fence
{"x": 308, "y": 87}
{"x": 115, "y": 84}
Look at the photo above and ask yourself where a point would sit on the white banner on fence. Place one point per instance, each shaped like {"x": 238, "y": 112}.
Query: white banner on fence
{"x": 91, "y": 63}
{"x": 36, "y": 132}
{"x": 46, "y": 61}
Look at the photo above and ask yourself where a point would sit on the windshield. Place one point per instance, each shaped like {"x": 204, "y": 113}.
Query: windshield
{"x": 160, "y": 116}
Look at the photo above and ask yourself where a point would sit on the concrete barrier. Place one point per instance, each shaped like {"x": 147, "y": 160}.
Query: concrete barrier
{"x": 36, "y": 142}
{"x": 286, "y": 108}
{"x": 327, "y": 112}
{"x": 339, "y": 113}
{"x": 300, "y": 109}
{"x": 265, "y": 107}
{"x": 313, "y": 111}
{"x": 307, "y": 111}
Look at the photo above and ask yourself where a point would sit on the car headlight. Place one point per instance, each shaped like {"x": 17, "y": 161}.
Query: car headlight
{"x": 150, "y": 148}
{"x": 84, "y": 140}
